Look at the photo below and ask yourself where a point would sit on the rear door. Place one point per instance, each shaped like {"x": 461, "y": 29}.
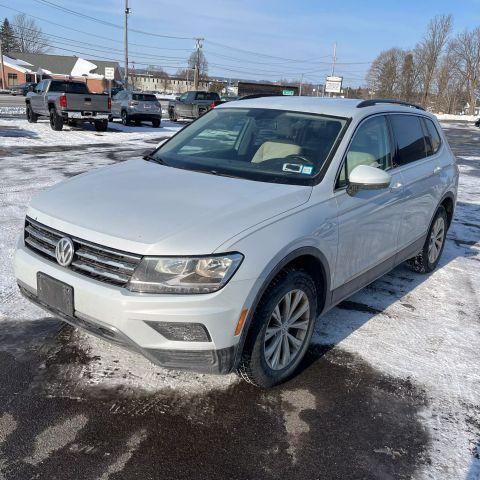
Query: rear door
{"x": 368, "y": 221}
{"x": 117, "y": 103}
{"x": 35, "y": 99}
{"x": 420, "y": 171}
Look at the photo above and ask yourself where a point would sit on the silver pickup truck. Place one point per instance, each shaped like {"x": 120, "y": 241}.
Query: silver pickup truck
{"x": 192, "y": 105}
{"x": 65, "y": 101}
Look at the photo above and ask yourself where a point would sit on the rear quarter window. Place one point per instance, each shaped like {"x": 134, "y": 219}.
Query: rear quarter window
{"x": 410, "y": 138}
{"x": 433, "y": 138}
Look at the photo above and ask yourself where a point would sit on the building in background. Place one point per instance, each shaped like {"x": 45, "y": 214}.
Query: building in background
{"x": 163, "y": 83}
{"x": 33, "y": 67}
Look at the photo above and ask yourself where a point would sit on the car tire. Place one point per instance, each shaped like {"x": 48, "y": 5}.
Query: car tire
{"x": 156, "y": 123}
{"x": 172, "y": 116}
{"x": 427, "y": 260}
{"x": 56, "y": 121}
{"x": 31, "y": 116}
{"x": 270, "y": 354}
{"x": 125, "y": 118}
{"x": 101, "y": 125}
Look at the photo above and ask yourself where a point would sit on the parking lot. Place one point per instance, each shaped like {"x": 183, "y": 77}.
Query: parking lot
{"x": 390, "y": 388}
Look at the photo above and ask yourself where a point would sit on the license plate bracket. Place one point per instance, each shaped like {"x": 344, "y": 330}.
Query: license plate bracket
{"x": 55, "y": 294}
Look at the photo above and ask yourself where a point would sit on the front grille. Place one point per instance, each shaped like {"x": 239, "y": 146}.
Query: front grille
{"x": 101, "y": 263}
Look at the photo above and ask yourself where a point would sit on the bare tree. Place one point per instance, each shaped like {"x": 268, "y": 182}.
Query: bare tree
{"x": 203, "y": 64}
{"x": 28, "y": 35}
{"x": 385, "y": 73}
{"x": 408, "y": 78}
{"x": 466, "y": 50}
{"x": 449, "y": 84}
{"x": 429, "y": 51}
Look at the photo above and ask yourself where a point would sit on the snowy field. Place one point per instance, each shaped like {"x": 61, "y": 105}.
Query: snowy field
{"x": 391, "y": 388}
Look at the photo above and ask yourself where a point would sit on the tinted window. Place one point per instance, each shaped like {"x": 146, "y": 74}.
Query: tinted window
{"x": 433, "y": 139}
{"x": 141, "y": 97}
{"x": 370, "y": 146}
{"x": 207, "y": 96}
{"x": 410, "y": 138}
{"x": 68, "y": 87}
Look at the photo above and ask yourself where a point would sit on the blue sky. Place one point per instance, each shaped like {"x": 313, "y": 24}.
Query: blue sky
{"x": 278, "y": 31}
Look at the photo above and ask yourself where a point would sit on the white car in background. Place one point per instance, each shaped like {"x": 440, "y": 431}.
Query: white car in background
{"x": 219, "y": 250}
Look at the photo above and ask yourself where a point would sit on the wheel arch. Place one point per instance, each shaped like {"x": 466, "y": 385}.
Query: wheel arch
{"x": 448, "y": 202}
{"x": 310, "y": 259}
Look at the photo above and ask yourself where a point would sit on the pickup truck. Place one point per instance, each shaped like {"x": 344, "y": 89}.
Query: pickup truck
{"x": 192, "y": 104}
{"x": 66, "y": 101}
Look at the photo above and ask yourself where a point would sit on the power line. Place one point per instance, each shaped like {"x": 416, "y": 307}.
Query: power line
{"x": 104, "y": 22}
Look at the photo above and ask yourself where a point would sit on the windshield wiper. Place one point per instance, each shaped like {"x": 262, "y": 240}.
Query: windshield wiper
{"x": 151, "y": 158}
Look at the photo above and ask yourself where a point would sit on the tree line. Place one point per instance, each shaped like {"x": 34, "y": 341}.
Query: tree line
{"x": 22, "y": 35}
{"x": 441, "y": 72}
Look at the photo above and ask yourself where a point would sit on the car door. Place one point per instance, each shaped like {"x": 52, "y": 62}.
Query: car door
{"x": 35, "y": 98}
{"x": 181, "y": 106}
{"x": 368, "y": 220}
{"x": 116, "y": 104}
{"x": 420, "y": 171}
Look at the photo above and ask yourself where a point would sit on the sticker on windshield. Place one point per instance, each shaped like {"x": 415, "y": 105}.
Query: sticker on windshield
{"x": 292, "y": 167}
{"x": 307, "y": 170}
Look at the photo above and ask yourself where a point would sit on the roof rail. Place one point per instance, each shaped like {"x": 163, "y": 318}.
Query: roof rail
{"x": 375, "y": 101}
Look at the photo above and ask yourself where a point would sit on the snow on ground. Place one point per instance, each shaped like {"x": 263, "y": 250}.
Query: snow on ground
{"x": 424, "y": 329}
{"x": 444, "y": 117}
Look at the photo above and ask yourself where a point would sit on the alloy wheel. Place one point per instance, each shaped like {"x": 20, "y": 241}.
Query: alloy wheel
{"x": 287, "y": 330}
{"x": 437, "y": 238}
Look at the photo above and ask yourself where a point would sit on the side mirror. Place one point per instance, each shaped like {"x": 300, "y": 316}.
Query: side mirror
{"x": 365, "y": 177}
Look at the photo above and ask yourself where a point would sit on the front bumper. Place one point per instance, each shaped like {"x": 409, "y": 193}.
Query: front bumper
{"x": 119, "y": 316}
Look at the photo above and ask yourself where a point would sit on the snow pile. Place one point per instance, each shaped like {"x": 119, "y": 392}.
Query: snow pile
{"x": 459, "y": 118}
{"x": 17, "y": 110}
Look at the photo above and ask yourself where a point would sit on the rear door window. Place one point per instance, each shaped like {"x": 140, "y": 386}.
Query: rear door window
{"x": 410, "y": 137}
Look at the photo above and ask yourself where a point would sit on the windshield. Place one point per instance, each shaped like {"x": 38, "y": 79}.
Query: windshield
{"x": 255, "y": 143}
{"x": 68, "y": 87}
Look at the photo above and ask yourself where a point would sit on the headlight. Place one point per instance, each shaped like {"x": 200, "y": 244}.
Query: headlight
{"x": 184, "y": 274}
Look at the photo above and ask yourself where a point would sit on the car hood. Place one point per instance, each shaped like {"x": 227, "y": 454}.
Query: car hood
{"x": 151, "y": 209}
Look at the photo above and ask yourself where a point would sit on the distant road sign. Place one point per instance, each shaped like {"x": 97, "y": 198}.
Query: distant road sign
{"x": 109, "y": 73}
{"x": 288, "y": 92}
{"x": 333, "y": 84}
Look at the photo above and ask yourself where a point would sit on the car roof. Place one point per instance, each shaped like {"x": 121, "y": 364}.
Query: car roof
{"x": 338, "y": 107}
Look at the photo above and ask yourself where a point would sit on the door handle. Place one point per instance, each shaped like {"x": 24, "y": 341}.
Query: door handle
{"x": 396, "y": 186}
{"x": 437, "y": 170}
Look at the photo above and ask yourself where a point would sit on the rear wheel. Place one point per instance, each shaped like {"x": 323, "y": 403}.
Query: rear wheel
{"x": 56, "y": 121}
{"x": 281, "y": 330}
{"x": 31, "y": 116}
{"x": 155, "y": 123}
{"x": 125, "y": 118}
{"x": 101, "y": 125}
{"x": 427, "y": 260}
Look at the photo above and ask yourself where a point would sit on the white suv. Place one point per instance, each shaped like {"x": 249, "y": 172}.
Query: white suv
{"x": 219, "y": 250}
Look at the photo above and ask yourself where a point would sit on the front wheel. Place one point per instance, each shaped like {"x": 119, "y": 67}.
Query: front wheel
{"x": 56, "y": 121}
{"x": 172, "y": 116}
{"x": 125, "y": 118}
{"x": 427, "y": 260}
{"x": 281, "y": 330}
{"x": 31, "y": 116}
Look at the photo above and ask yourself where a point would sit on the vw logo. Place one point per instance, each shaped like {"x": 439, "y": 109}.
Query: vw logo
{"x": 64, "y": 251}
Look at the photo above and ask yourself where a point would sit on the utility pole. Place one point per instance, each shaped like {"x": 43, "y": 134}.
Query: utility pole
{"x": 4, "y": 85}
{"x": 334, "y": 58}
{"x": 301, "y": 85}
{"x": 125, "y": 40}
{"x": 196, "y": 76}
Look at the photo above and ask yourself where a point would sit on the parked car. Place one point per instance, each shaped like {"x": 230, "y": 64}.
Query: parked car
{"x": 136, "y": 107}
{"x": 192, "y": 105}
{"x": 22, "y": 88}
{"x": 67, "y": 101}
{"x": 241, "y": 229}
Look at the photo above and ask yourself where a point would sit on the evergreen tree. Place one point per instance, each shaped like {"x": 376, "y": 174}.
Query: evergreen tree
{"x": 9, "y": 44}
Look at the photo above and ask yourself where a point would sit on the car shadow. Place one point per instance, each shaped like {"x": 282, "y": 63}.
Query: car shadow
{"x": 16, "y": 132}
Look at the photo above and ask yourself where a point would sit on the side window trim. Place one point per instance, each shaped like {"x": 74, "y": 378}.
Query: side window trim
{"x": 393, "y": 147}
{"x": 440, "y": 145}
